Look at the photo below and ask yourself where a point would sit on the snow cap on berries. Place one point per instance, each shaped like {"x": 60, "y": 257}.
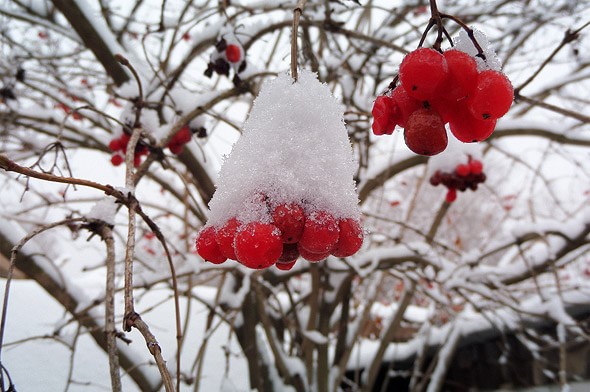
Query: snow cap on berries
{"x": 294, "y": 148}
{"x": 464, "y": 44}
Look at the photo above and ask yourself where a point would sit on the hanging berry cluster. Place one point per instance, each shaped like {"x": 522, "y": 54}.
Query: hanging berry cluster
{"x": 465, "y": 176}
{"x": 442, "y": 87}
{"x": 228, "y": 54}
{"x": 118, "y": 145}
{"x": 290, "y": 231}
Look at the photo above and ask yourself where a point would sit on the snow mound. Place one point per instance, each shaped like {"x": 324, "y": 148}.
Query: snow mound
{"x": 464, "y": 44}
{"x": 294, "y": 148}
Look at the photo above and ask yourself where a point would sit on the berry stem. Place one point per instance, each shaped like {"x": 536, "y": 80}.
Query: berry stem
{"x": 469, "y": 31}
{"x": 296, "y": 16}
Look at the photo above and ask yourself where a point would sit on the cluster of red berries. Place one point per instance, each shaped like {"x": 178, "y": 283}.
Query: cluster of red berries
{"x": 292, "y": 232}
{"x": 438, "y": 88}
{"x": 226, "y": 56}
{"x": 119, "y": 148}
{"x": 466, "y": 176}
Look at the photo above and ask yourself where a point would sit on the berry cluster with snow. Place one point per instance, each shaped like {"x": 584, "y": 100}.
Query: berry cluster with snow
{"x": 438, "y": 88}
{"x": 228, "y": 55}
{"x": 287, "y": 188}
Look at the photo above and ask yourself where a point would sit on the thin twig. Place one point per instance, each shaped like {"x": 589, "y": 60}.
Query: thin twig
{"x": 296, "y": 16}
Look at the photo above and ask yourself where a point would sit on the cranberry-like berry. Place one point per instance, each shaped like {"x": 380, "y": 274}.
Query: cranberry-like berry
{"x": 290, "y": 252}
{"x": 476, "y": 167}
{"x": 350, "y": 239}
{"x": 312, "y": 256}
{"x": 422, "y": 72}
{"x": 115, "y": 145}
{"x": 406, "y": 105}
{"x": 117, "y": 160}
{"x": 469, "y": 129}
{"x": 320, "y": 232}
{"x": 233, "y": 53}
{"x": 425, "y": 133}
{"x": 462, "y": 170}
{"x": 207, "y": 247}
{"x": 462, "y": 77}
{"x": 225, "y": 238}
{"x": 175, "y": 148}
{"x": 451, "y": 195}
{"x": 290, "y": 219}
{"x": 492, "y": 96}
{"x": 285, "y": 265}
{"x": 384, "y": 113}
{"x": 258, "y": 245}
{"x": 183, "y": 136}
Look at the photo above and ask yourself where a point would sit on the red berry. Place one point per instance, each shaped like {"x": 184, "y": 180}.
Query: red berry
{"x": 422, "y": 72}
{"x": 285, "y": 265}
{"x": 492, "y": 96}
{"x": 451, "y": 195}
{"x": 384, "y": 114}
{"x": 350, "y": 239}
{"x": 175, "y": 148}
{"x": 258, "y": 245}
{"x": 425, "y": 133}
{"x": 115, "y": 145}
{"x": 207, "y": 247}
{"x": 290, "y": 219}
{"x": 320, "y": 232}
{"x": 183, "y": 136}
{"x": 311, "y": 256}
{"x": 469, "y": 129}
{"x": 475, "y": 167}
{"x": 225, "y": 238}
{"x": 290, "y": 252}
{"x": 233, "y": 53}
{"x": 462, "y": 77}
{"x": 462, "y": 170}
{"x": 136, "y": 160}
{"x": 406, "y": 105}
{"x": 117, "y": 160}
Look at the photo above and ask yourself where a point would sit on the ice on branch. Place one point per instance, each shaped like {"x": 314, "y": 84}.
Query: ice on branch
{"x": 104, "y": 210}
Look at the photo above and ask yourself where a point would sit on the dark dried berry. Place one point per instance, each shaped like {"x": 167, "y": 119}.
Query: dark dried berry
{"x": 20, "y": 75}
{"x": 209, "y": 70}
{"x": 221, "y": 45}
{"x": 221, "y": 67}
{"x": 201, "y": 132}
{"x": 242, "y": 67}
{"x": 7, "y": 93}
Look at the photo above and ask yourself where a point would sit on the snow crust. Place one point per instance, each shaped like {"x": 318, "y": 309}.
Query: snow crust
{"x": 294, "y": 148}
{"x": 105, "y": 210}
{"x": 464, "y": 44}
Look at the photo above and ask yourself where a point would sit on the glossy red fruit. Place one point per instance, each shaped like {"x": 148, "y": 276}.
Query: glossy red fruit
{"x": 115, "y": 145}
{"x": 285, "y": 265}
{"x": 176, "y": 148}
{"x": 320, "y": 232}
{"x": 207, "y": 247}
{"x": 384, "y": 114}
{"x": 422, "y": 72}
{"x": 290, "y": 219}
{"x": 233, "y": 53}
{"x": 469, "y": 129}
{"x": 492, "y": 96}
{"x": 451, "y": 195}
{"x": 290, "y": 252}
{"x": 350, "y": 239}
{"x": 476, "y": 167}
{"x": 183, "y": 136}
{"x": 462, "y": 170}
{"x": 311, "y": 256}
{"x": 405, "y": 104}
{"x": 258, "y": 245}
{"x": 117, "y": 160}
{"x": 425, "y": 133}
{"x": 225, "y": 237}
{"x": 462, "y": 75}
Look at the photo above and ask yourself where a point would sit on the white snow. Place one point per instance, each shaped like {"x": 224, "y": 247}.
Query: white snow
{"x": 105, "y": 210}
{"x": 464, "y": 44}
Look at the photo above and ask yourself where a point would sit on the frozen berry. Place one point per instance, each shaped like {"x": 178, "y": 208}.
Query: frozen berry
{"x": 350, "y": 239}
{"x": 425, "y": 133}
{"x": 462, "y": 77}
{"x": 462, "y": 170}
{"x": 311, "y": 256}
{"x": 421, "y": 73}
{"x": 320, "y": 232}
{"x": 290, "y": 219}
{"x": 384, "y": 113}
{"x": 207, "y": 247}
{"x": 233, "y": 53}
{"x": 176, "y": 148}
{"x": 285, "y": 265}
{"x": 258, "y": 245}
{"x": 183, "y": 136}
{"x": 492, "y": 96}
{"x": 225, "y": 238}
{"x": 115, "y": 145}
{"x": 117, "y": 160}
{"x": 475, "y": 167}
{"x": 451, "y": 195}
{"x": 469, "y": 129}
